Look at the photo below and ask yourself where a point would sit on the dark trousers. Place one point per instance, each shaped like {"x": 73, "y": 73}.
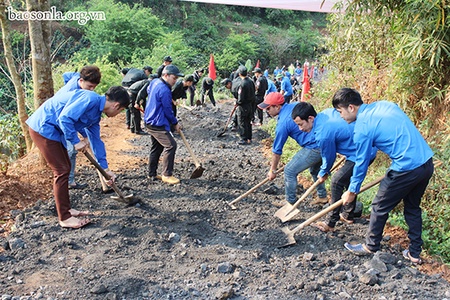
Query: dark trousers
{"x": 58, "y": 160}
{"x": 394, "y": 187}
{"x": 128, "y": 117}
{"x": 210, "y": 95}
{"x": 162, "y": 142}
{"x": 256, "y": 110}
{"x": 287, "y": 99}
{"x": 244, "y": 121}
{"x": 340, "y": 182}
{"x": 135, "y": 119}
{"x": 191, "y": 90}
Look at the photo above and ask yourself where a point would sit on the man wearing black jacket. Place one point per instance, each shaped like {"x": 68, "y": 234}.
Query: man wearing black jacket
{"x": 244, "y": 111}
{"x": 261, "y": 86}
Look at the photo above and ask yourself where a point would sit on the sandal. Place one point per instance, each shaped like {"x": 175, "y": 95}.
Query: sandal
{"x": 79, "y": 213}
{"x": 322, "y": 226}
{"x": 358, "y": 249}
{"x": 74, "y": 223}
{"x": 407, "y": 255}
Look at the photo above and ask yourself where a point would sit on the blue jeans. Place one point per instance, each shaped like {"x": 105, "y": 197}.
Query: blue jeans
{"x": 73, "y": 160}
{"x": 302, "y": 160}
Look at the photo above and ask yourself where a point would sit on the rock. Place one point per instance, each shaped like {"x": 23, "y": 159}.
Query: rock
{"x": 226, "y": 293}
{"x": 369, "y": 279}
{"x": 99, "y": 289}
{"x": 174, "y": 237}
{"x": 225, "y": 267}
{"x": 377, "y": 264}
{"x": 308, "y": 256}
{"x": 385, "y": 257}
{"x": 16, "y": 243}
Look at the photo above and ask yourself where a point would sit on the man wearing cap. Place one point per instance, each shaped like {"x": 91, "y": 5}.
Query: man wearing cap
{"x": 179, "y": 91}
{"x": 159, "y": 118}
{"x": 148, "y": 70}
{"x": 167, "y": 61}
{"x": 261, "y": 86}
{"x": 207, "y": 89}
{"x": 245, "y": 101}
{"x": 307, "y": 157}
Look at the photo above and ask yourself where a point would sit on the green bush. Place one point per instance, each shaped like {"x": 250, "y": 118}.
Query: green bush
{"x": 12, "y": 143}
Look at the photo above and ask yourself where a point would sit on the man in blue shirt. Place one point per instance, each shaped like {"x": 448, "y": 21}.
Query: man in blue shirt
{"x": 333, "y": 135}
{"x": 384, "y": 125}
{"x": 88, "y": 79}
{"x": 60, "y": 118}
{"x": 307, "y": 157}
{"x": 159, "y": 117}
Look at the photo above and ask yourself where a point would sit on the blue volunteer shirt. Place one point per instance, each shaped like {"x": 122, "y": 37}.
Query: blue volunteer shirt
{"x": 271, "y": 88}
{"x": 70, "y": 82}
{"x": 286, "y": 127}
{"x": 62, "y": 116}
{"x": 384, "y": 125}
{"x": 333, "y": 135}
{"x": 286, "y": 86}
{"x": 158, "y": 111}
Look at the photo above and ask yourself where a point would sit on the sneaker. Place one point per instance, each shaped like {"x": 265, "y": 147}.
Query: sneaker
{"x": 170, "y": 179}
{"x": 345, "y": 220}
{"x": 320, "y": 201}
{"x": 280, "y": 203}
{"x": 77, "y": 186}
{"x": 141, "y": 132}
{"x": 322, "y": 226}
{"x": 155, "y": 178}
{"x": 407, "y": 255}
{"x": 358, "y": 249}
{"x": 245, "y": 142}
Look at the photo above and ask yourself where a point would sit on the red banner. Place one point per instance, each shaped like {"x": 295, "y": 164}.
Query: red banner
{"x": 212, "y": 68}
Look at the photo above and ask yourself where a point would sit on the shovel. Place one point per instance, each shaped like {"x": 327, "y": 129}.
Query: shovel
{"x": 290, "y": 233}
{"x": 288, "y": 211}
{"x": 251, "y": 190}
{"x": 224, "y": 130}
{"x": 120, "y": 196}
{"x": 198, "y": 172}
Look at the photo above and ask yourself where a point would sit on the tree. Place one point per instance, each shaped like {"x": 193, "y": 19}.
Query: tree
{"x": 40, "y": 39}
{"x": 15, "y": 77}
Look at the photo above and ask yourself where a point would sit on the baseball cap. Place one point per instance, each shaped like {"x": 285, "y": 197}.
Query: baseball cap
{"x": 242, "y": 70}
{"x": 148, "y": 68}
{"x": 167, "y": 58}
{"x": 272, "y": 99}
{"x": 225, "y": 81}
{"x": 257, "y": 70}
{"x": 279, "y": 75}
{"x": 189, "y": 78}
{"x": 172, "y": 70}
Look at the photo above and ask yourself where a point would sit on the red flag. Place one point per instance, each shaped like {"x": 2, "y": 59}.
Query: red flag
{"x": 306, "y": 86}
{"x": 212, "y": 68}
{"x": 257, "y": 64}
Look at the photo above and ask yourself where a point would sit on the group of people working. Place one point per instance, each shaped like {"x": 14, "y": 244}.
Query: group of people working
{"x": 351, "y": 128}
{"x": 357, "y": 131}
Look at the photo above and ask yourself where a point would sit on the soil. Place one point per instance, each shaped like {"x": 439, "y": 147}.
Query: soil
{"x": 184, "y": 241}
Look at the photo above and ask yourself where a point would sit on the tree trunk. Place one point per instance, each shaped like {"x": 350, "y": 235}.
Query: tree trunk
{"x": 40, "y": 40}
{"x": 20, "y": 93}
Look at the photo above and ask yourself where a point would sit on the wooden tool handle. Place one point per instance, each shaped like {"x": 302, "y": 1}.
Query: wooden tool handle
{"x": 254, "y": 188}
{"x": 197, "y": 163}
{"x": 103, "y": 172}
{"x": 311, "y": 188}
{"x": 97, "y": 165}
{"x": 333, "y": 206}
